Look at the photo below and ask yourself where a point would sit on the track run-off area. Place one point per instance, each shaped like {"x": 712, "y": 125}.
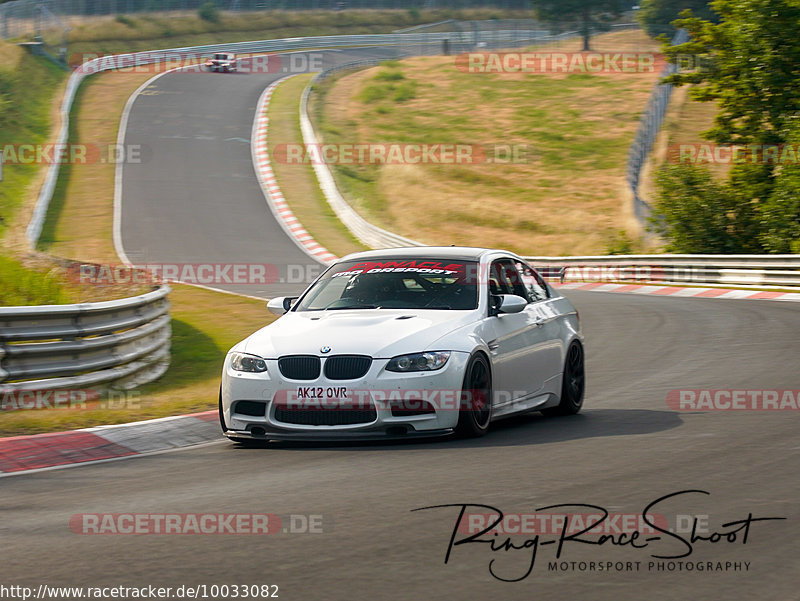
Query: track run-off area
{"x": 198, "y": 201}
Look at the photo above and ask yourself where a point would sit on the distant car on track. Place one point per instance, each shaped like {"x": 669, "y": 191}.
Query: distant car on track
{"x": 406, "y": 342}
{"x": 224, "y": 62}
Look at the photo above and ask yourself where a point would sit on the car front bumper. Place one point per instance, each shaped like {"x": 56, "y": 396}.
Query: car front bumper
{"x": 378, "y": 392}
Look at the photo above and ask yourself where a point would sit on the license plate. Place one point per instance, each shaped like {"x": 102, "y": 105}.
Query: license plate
{"x": 322, "y": 393}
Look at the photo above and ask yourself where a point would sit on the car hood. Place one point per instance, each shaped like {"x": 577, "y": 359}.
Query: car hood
{"x": 379, "y": 333}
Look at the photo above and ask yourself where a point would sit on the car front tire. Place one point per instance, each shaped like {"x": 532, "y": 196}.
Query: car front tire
{"x": 475, "y": 411}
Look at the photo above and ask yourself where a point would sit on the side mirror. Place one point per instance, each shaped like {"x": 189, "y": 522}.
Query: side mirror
{"x": 509, "y": 303}
{"x": 280, "y": 304}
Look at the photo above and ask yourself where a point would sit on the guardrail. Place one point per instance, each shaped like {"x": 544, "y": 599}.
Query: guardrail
{"x": 121, "y": 342}
{"x": 415, "y": 41}
{"x": 715, "y": 270}
{"x": 649, "y": 126}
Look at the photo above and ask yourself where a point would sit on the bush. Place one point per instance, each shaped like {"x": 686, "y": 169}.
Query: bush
{"x": 125, "y": 20}
{"x": 620, "y": 244}
{"x": 389, "y": 76}
{"x": 208, "y": 12}
{"x": 780, "y": 215}
{"x": 373, "y": 93}
{"x": 405, "y": 91}
{"x": 5, "y": 109}
{"x": 7, "y": 113}
{"x": 697, "y": 214}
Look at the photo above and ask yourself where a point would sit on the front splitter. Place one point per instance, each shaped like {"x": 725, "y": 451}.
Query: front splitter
{"x": 328, "y": 436}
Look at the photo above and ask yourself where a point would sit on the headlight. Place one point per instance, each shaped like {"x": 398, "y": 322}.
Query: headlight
{"x": 249, "y": 363}
{"x": 419, "y": 361}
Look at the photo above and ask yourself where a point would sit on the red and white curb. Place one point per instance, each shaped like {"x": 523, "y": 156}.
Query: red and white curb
{"x": 19, "y": 454}
{"x": 682, "y": 291}
{"x": 269, "y": 184}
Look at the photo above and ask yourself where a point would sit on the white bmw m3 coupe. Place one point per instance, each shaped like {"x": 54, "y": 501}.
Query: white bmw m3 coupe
{"x": 406, "y": 342}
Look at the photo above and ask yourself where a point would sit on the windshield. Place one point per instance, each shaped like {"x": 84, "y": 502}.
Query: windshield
{"x": 395, "y": 284}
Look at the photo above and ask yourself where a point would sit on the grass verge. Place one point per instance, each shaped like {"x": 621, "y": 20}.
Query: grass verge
{"x": 38, "y": 279}
{"x": 562, "y": 198}
{"x": 21, "y": 285}
{"x": 28, "y": 87}
{"x": 298, "y": 182}
{"x": 80, "y": 218}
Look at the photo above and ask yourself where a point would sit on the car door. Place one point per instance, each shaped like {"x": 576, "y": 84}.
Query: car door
{"x": 549, "y": 340}
{"x": 514, "y": 339}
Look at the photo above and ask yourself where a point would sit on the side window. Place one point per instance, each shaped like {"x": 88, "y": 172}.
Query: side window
{"x": 498, "y": 282}
{"x": 535, "y": 288}
{"x": 505, "y": 279}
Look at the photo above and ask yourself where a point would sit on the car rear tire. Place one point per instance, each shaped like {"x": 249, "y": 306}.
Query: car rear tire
{"x": 475, "y": 411}
{"x": 573, "y": 383}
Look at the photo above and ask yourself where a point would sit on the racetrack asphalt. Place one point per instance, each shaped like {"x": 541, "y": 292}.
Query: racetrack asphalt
{"x": 194, "y": 198}
{"x": 626, "y": 449}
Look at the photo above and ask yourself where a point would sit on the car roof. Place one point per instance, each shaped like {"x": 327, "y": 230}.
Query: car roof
{"x": 464, "y": 253}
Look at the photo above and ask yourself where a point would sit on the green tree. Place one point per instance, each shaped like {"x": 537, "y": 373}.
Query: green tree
{"x": 749, "y": 65}
{"x": 656, "y": 16}
{"x": 209, "y": 12}
{"x": 588, "y": 15}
